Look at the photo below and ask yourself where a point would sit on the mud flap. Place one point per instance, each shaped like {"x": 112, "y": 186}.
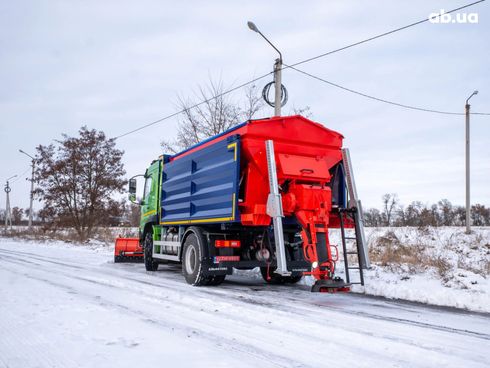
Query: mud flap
{"x": 211, "y": 268}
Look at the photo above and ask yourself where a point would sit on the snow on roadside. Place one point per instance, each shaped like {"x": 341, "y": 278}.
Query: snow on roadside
{"x": 96, "y": 246}
{"x": 440, "y": 266}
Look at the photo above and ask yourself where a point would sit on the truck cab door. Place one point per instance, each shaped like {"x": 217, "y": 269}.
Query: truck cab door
{"x": 150, "y": 195}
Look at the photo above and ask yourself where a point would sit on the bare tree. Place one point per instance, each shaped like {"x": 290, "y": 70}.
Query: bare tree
{"x": 446, "y": 212}
{"x": 419, "y": 214}
{"x": 372, "y": 217}
{"x": 480, "y": 215}
{"x": 76, "y": 179}
{"x": 133, "y": 214}
{"x": 304, "y": 111}
{"x": 218, "y": 113}
{"x": 17, "y": 214}
{"x": 389, "y": 203}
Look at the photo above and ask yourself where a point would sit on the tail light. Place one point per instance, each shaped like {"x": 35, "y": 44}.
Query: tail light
{"x": 221, "y": 243}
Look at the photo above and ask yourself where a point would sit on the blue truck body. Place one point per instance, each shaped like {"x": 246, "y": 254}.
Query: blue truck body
{"x": 202, "y": 186}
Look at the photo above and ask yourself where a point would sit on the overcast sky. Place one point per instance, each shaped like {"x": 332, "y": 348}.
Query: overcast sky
{"x": 116, "y": 65}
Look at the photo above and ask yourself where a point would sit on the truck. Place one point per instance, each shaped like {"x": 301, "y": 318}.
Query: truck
{"x": 262, "y": 194}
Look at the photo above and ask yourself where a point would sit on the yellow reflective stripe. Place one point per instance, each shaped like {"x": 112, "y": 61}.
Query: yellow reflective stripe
{"x": 234, "y": 146}
{"x": 149, "y": 213}
{"x": 182, "y": 222}
{"x": 200, "y": 221}
{"x": 159, "y": 203}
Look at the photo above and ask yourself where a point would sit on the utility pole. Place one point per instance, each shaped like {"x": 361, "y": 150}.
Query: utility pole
{"x": 277, "y": 73}
{"x": 278, "y": 86}
{"x": 8, "y": 212}
{"x": 33, "y": 163}
{"x": 468, "y": 204}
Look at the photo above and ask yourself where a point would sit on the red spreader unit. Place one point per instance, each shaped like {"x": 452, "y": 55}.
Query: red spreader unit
{"x": 127, "y": 250}
{"x": 262, "y": 194}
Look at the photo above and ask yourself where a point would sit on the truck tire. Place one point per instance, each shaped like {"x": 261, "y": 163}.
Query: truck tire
{"x": 192, "y": 259}
{"x": 150, "y": 263}
{"x": 276, "y": 279}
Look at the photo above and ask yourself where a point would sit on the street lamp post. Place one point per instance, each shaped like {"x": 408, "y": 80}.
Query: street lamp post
{"x": 33, "y": 162}
{"x": 8, "y": 212}
{"x": 468, "y": 205}
{"x": 277, "y": 72}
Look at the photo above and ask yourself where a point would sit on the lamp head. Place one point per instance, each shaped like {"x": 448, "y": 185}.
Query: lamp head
{"x": 473, "y": 94}
{"x": 252, "y": 26}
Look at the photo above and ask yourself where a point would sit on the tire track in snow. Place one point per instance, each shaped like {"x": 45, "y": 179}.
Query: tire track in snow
{"x": 319, "y": 338}
{"x": 232, "y": 345}
{"x": 265, "y": 301}
{"x": 159, "y": 285}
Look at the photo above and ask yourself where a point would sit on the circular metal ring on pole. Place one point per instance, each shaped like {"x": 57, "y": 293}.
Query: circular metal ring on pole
{"x": 7, "y": 189}
{"x": 265, "y": 94}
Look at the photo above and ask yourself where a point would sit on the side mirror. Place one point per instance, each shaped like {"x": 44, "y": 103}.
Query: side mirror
{"x": 132, "y": 186}
{"x": 132, "y": 189}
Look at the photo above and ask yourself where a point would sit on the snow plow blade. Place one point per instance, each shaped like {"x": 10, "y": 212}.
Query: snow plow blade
{"x": 128, "y": 250}
{"x": 330, "y": 286}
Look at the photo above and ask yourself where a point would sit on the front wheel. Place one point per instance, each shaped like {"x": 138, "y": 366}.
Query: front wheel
{"x": 150, "y": 263}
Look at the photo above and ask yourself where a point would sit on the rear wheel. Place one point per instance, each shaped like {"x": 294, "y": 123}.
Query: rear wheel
{"x": 150, "y": 263}
{"x": 192, "y": 256}
{"x": 191, "y": 261}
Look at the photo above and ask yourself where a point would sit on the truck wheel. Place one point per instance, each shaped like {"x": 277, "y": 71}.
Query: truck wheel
{"x": 276, "y": 279}
{"x": 150, "y": 264}
{"x": 191, "y": 260}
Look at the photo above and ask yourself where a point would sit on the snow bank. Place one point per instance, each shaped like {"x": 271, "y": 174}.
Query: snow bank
{"x": 440, "y": 266}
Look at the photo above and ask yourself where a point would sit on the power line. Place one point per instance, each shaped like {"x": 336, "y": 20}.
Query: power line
{"x": 193, "y": 106}
{"x": 380, "y": 99}
{"x": 18, "y": 177}
{"x": 311, "y": 59}
{"x": 383, "y": 34}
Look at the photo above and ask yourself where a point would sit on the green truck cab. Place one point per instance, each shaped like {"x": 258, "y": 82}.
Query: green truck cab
{"x": 149, "y": 203}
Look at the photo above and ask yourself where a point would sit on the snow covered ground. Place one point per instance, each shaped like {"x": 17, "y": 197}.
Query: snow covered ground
{"x": 68, "y": 306}
{"x": 440, "y": 266}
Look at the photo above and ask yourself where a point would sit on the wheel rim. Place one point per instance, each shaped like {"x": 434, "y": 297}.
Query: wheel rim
{"x": 190, "y": 259}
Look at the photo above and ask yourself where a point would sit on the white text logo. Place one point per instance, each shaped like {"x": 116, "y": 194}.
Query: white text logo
{"x": 443, "y": 17}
